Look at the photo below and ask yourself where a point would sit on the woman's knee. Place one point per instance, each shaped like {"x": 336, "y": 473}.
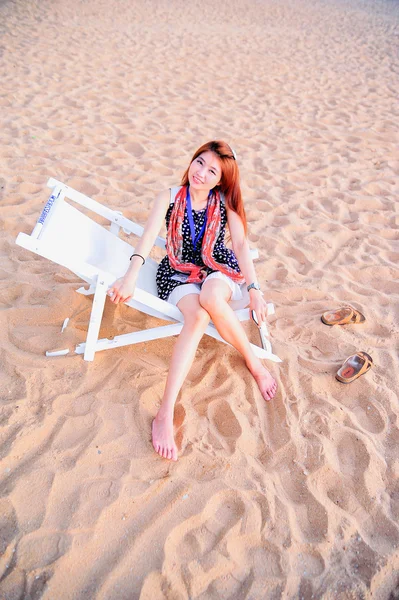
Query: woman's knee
{"x": 197, "y": 319}
{"x": 194, "y": 314}
{"x": 213, "y": 297}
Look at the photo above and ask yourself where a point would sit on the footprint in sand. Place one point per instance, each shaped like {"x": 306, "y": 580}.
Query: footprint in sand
{"x": 306, "y": 511}
{"x": 8, "y": 524}
{"x": 353, "y": 457}
{"x": 134, "y": 148}
{"x": 224, "y": 425}
{"x": 337, "y": 492}
{"x": 76, "y": 433}
{"x": 94, "y": 497}
{"x": 221, "y": 549}
{"x": 12, "y": 383}
{"x": 307, "y": 562}
{"x": 39, "y": 482}
{"x": 41, "y": 548}
{"x": 366, "y": 413}
{"x": 179, "y": 425}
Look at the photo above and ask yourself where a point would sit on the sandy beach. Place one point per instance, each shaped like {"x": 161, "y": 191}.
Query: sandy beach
{"x": 297, "y": 499}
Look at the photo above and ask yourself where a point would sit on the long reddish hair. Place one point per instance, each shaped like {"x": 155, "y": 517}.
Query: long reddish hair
{"x": 230, "y": 181}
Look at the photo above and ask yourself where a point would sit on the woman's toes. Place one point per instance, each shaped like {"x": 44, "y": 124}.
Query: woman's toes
{"x": 271, "y": 392}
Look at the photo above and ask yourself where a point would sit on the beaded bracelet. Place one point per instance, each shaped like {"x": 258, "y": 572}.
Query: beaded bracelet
{"x": 142, "y": 258}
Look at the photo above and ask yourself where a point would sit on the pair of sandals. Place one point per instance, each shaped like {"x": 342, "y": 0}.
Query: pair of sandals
{"x": 358, "y": 364}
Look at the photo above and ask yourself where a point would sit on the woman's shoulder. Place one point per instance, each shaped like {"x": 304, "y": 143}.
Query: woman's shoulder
{"x": 173, "y": 191}
{"x": 162, "y": 199}
{"x": 168, "y": 196}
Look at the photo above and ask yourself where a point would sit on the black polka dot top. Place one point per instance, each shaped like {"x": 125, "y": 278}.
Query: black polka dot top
{"x": 221, "y": 254}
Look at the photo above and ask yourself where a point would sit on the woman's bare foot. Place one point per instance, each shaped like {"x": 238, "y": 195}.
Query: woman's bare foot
{"x": 162, "y": 437}
{"x": 266, "y": 382}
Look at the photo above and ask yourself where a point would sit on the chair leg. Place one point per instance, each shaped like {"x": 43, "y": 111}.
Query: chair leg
{"x": 95, "y": 318}
{"x": 136, "y": 337}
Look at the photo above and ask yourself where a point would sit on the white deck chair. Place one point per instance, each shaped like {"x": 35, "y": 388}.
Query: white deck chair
{"x": 65, "y": 235}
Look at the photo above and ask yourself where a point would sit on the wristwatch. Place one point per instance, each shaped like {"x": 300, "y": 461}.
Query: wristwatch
{"x": 254, "y": 286}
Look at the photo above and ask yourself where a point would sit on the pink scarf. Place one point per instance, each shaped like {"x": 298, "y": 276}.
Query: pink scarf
{"x": 174, "y": 240}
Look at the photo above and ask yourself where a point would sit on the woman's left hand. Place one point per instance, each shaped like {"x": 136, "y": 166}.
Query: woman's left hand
{"x": 258, "y": 305}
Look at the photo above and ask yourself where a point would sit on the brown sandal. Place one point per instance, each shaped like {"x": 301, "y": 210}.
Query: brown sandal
{"x": 354, "y": 367}
{"x": 342, "y": 316}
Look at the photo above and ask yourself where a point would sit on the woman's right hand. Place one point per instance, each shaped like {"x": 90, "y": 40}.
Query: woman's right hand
{"x": 121, "y": 290}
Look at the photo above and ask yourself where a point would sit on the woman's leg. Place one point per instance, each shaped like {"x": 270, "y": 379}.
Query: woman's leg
{"x": 214, "y": 298}
{"x": 196, "y": 320}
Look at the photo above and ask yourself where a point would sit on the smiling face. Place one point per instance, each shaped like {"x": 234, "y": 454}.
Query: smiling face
{"x": 205, "y": 171}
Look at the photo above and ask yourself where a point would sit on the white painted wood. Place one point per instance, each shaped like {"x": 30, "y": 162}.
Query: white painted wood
{"x": 80, "y": 268}
{"x": 56, "y": 196}
{"x": 86, "y": 292}
{"x": 111, "y": 215}
{"x": 114, "y": 227}
{"x": 135, "y": 337}
{"x": 96, "y": 316}
{"x": 57, "y": 352}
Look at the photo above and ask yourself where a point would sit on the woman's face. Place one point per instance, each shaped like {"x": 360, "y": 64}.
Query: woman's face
{"x": 205, "y": 171}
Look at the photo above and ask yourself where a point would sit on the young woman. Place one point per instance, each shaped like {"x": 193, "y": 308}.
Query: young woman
{"x": 199, "y": 274}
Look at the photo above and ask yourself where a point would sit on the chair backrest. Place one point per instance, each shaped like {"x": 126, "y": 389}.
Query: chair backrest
{"x": 74, "y": 233}
{"x": 77, "y": 237}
